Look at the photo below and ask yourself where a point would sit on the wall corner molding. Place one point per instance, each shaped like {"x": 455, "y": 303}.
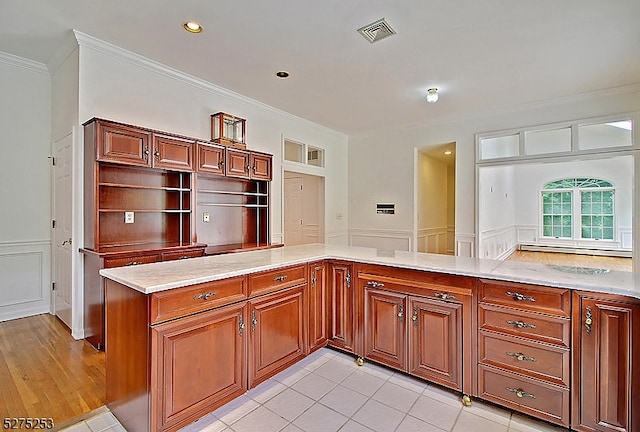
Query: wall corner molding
{"x": 13, "y": 60}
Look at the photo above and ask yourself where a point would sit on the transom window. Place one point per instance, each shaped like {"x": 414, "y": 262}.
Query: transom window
{"x": 578, "y": 208}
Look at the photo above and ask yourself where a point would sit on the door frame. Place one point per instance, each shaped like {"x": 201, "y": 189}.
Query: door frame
{"x": 321, "y": 216}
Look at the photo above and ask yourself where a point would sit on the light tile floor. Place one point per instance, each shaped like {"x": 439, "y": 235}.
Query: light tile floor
{"x": 328, "y": 392}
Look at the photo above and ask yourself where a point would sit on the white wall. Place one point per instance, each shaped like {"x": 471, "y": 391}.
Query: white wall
{"x": 121, "y": 86}
{"x": 497, "y": 211}
{"x": 381, "y": 162}
{"x": 25, "y": 175}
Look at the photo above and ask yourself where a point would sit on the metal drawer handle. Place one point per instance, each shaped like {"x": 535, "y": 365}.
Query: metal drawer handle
{"x": 518, "y": 296}
{"x": 588, "y": 320}
{"x": 414, "y": 317}
{"x": 521, "y": 324}
{"x": 401, "y": 313}
{"x": 520, "y": 356}
{"x": 445, "y": 296}
{"x": 254, "y": 321}
{"x": 280, "y": 278}
{"x": 348, "y": 279}
{"x": 183, "y": 257}
{"x": 205, "y": 296}
{"x": 241, "y": 325}
{"x": 133, "y": 263}
{"x": 521, "y": 393}
{"x": 375, "y": 284}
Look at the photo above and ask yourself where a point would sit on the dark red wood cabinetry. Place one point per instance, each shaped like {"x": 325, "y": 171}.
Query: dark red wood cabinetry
{"x": 343, "y": 302}
{"x": 319, "y": 308}
{"x": 606, "y": 352}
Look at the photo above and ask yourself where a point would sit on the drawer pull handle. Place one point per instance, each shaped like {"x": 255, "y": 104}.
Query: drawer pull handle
{"x": 279, "y": 278}
{"x": 205, "y": 296}
{"x": 183, "y": 257}
{"x": 375, "y": 284}
{"x": 521, "y": 324}
{"x": 518, "y": 296}
{"x": 521, "y": 357}
{"x": 521, "y": 393}
{"x": 414, "y": 317}
{"x": 348, "y": 279}
{"x": 241, "y": 325}
{"x": 254, "y": 321}
{"x": 132, "y": 263}
{"x": 401, "y": 313}
{"x": 588, "y": 320}
{"x": 445, "y": 296}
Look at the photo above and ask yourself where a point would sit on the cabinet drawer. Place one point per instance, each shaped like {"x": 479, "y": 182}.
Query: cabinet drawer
{"x": 274, "y": 280}
{"x": 131, "y": 260}
{"x": 543, "y": 328}
{"x": 528, "y": 358}
{"x": 536, "y": 398}
{"x": 171, "y": 256}
{"x": 556, "y": 301}
{"x": 179, "y": 302}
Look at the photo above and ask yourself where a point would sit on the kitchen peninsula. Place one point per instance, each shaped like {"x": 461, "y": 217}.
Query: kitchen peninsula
{"x": 559, "y": 343}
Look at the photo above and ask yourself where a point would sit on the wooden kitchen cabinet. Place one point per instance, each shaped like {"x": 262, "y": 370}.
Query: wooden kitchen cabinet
{"x": 343, "y": 304}
{"x": 248, "y": 164}
{"x": 606, "y": 349}
{"x": 173, "y": 153}
{"x": 210, "y": 158}
{"x": 422, "y": 335}
{"x": 318, "y": 295}
{"x": 276, "y": 333}
{"x": 524, "y": 353}
{"x": 201, "y": 364}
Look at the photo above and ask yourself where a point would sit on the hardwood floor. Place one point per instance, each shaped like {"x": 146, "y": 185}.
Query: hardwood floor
{"x": 575, "y": 260}
{"x": 44, "y": 372}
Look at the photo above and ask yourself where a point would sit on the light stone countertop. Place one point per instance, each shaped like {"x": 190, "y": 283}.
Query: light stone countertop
{"x": 150, "y": 278}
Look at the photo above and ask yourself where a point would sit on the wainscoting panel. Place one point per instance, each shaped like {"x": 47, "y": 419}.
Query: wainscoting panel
{"x": 381, "y": 239}
{"x": 25, "y": 286}
{"x": 497, "y": 243}
{"x": 465, "y": 245}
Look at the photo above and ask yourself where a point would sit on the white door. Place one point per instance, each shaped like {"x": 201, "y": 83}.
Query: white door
{"x": 62, "y": 241}
{"x": 292, "y": 208}
{"x": 303, "y": 209}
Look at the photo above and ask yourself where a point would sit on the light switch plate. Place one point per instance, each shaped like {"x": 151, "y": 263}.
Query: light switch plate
{"x": 128, "y": 217}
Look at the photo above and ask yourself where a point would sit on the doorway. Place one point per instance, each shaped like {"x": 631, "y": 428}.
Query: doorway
{"x": 303, "y": 208}
{"x": 436, "y": 197}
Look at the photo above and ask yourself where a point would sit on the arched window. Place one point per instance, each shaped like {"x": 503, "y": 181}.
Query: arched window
{"x": 578, "y": 208}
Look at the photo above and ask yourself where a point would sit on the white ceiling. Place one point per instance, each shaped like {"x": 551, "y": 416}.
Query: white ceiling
{"x": 483, "y": 55}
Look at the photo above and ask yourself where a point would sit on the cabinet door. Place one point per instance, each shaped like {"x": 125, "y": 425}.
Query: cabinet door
{"x": 276, "y": 336}
{"x": 318, "y": 306}
{"x": 237, "y": 163}
{"x": 198, "y": 364}
{"x": 260, "y": 166}
{"x": 123, "y": 144}
{"x": 435, "y": 341}
{"x": 342, "y": 325}
{"x": 606, "y": 335}
{"x": 172, "y": 153}
{"x": 385, "y": 328}
{"x": 211, "y": 159}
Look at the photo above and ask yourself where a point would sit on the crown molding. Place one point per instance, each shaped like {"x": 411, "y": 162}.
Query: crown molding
{"x": 13, "y": 60}
{"x": 87, "y": 41}
{"x": 63, "y": 52}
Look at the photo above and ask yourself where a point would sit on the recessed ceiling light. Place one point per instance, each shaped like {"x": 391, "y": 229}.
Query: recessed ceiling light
{"x": 282, "y": 74}
{"x": 448, "y": 152}
{"x": 432, "y": 95}
{"x": 192, "y": 27}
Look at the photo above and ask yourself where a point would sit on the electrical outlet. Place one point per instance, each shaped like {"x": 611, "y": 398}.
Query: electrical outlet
{"x": 205, "y": 217}
{"x": 128, "y": 217}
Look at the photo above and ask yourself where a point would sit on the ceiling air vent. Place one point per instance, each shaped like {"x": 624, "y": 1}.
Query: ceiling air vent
{"x": 376, "y": 31}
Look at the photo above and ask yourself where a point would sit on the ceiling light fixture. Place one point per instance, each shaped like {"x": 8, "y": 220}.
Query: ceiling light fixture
{"x": 192, "y": 27}
{"x": 448, "y": 152}
{"x": 282, "y": 74}
{"x": 432, "y": 95}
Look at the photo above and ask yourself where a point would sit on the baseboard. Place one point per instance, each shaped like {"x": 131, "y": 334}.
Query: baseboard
{"x": 578, "y": 251}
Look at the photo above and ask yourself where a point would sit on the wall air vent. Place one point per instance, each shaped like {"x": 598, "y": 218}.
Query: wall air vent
{"x": 376, "y": 31}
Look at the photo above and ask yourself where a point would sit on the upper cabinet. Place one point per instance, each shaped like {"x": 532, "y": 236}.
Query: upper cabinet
{"x": 211, "y": 158}
{"x": 130, "y": 145}
{"x": 248, "y": 164}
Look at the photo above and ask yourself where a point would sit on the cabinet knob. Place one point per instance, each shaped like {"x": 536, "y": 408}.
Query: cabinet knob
{"x": 156, "y": 154}
{"x": 520, "y": 297}
{"x": 521, "y": 393}
{"x": 146, "y": 151}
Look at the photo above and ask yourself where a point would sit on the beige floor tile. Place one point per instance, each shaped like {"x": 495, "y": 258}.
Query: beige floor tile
{"x": 412, "y": 424}
{"x": 408, "y": 381}
{"x": 102, "y": 421}
{"x": 266, "y": 390}
{"x": 78, "y": 427}
{"x": 396, "y": 397}
{"x": 435, "y": 412}
{"x": 363, "y": 383}
{"x": 291, "y": 428}
{"x": 289, "y": 404}
{"x": 314, "y": 386}
{"x": 319, "y": 418}
{"x": 443, "y": 395}
{"x": 382, "y": 372}
{"x": 522, "y": 423}
{"x": 208, "y": 423}
{"x": 336, "y": 370}
{"x": 379, "y": 417}
{"x": 344, "y": 400}
{"x": 491, "y": 412}
{"x": 260, "y": 419}
{"x": 470, "y": 422}
{"x": 352, "y": 426}
{"x": 290, "y": 376}
{"x": 234, "y": 410}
